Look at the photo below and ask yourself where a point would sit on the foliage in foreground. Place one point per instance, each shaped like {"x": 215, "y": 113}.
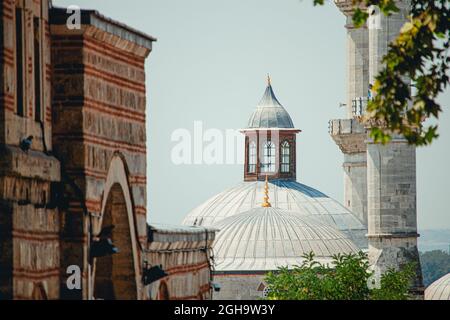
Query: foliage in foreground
{"x": 419, "y": 54}
{"x": 348, "y": 278}
{"x": 435, "y": 264}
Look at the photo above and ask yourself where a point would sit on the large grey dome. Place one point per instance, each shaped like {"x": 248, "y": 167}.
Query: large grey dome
{"x": 439, "y": 290}
{"x": 284, "y": 194}
{"x": 270, "y": 113}
{"x": 267, "y": 238}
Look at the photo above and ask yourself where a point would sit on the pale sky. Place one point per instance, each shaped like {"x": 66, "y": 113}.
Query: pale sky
{"x": 210, "y": 64}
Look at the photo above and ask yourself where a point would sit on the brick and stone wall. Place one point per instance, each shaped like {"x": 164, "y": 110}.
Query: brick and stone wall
{"x": 184, "y": 254}
{"x": 99, "y": 107}
{"x": 29, "y": 223}
{"x": 84, "y": 103}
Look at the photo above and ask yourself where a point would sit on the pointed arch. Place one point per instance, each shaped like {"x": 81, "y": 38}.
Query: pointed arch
{"x": 163, "y": 291}
{"x": 118, "y": 276}
{"x": 39, "y": 292}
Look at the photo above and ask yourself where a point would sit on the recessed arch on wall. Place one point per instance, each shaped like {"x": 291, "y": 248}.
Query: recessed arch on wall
{"x": 118, "y": 276}
{"x": 39, "y": 292}
{"x": 163, "y": 291}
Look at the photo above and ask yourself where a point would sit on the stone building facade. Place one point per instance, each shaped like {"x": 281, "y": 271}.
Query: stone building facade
{"x": 73, "y": 161}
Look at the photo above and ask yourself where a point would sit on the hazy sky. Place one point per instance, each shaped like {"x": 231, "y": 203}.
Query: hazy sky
{"x": 210, "y": 64}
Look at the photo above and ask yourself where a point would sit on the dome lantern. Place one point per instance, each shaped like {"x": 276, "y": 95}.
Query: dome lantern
{"x": 270, "y": 139}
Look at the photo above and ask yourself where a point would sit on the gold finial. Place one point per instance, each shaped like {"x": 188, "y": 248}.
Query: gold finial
{"x": 268, "y": 79}
{"x": 266, "y": 203}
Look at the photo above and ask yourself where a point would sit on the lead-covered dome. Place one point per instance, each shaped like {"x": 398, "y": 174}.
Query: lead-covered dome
{"x": 263, "y": 239}
{"x": 284, "y": 194}
{"x": 270, "y": 113}
{"x": 439, "y": 290}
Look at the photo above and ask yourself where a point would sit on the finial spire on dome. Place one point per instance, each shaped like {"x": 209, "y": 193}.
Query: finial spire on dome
{"x": 266, "y": 203}
{"x": 268, "y": 80}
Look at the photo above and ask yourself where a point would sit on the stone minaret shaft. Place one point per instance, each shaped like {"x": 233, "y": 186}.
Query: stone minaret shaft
{"x": 391, "y": 172}
{"x": 380, "y": 180}
{"x": 348, "y": 133}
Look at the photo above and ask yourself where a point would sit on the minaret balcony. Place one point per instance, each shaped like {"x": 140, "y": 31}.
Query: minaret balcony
{"x": 349, "y": 134}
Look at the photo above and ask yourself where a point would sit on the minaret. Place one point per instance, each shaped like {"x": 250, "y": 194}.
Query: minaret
{"x": 380, "y": 179}
{"x": 391, "y": 172}
{"x": 270, "y": 141}
{"x": 349, "y": 134}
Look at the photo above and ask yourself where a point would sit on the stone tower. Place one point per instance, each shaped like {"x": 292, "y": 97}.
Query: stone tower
{"x": 380, "y": 180}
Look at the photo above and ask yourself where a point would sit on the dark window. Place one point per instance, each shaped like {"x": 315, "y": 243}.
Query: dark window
{"x": 268, "y": 163}
{"x": 285, "y": 157}
{"x": 252, "y": 157}
{"x": 19, "y": 62}
{"x": 37, "y": 69}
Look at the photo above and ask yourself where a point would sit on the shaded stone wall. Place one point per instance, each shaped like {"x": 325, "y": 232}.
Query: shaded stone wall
{"x": 29, "y": 222}
{"x": 239, "y": 286}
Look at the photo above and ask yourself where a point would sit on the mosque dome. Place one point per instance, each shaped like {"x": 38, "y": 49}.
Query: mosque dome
{"x": 288, "y": 195}
{"x": 263, "y": 239}
{"x": 439, "y": 290}
{"x": 270, "y": 113}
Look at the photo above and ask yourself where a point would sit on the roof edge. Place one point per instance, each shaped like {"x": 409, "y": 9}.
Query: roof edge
{"x": 59, "y": 16}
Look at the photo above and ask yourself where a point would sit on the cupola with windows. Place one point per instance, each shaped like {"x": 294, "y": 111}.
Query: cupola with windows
{"x": 270, "y": 141}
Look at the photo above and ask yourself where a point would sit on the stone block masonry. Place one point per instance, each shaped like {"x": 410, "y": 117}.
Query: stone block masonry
{"x": 29, "y": 236}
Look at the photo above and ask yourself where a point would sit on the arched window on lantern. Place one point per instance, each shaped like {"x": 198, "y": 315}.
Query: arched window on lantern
{"x": 285, "y": 157}
{"x": 252, "y": 157}
{"x": 268, "y": 163}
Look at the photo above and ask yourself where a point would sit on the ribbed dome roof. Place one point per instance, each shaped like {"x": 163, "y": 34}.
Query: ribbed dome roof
{"x": 268, "y": 238}
{"x": 284, "y": 194}
{"x": 270, "y": 113}
{"x": 439, "y": 290}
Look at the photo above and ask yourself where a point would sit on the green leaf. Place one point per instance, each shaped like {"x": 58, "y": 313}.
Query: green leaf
{"x": 359, "y": 17}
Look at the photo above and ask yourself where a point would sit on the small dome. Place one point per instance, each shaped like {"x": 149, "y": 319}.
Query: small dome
{"x": 270, "y": 113}
{"x": 267, "y": 238}
{"x": 439, "y": 290}
{"x": 284, "y": 194}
